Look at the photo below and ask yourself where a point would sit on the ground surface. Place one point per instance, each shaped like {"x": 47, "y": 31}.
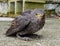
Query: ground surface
{"x": 50, "y": 35}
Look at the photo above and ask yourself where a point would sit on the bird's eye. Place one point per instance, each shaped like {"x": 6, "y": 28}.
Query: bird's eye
{"x": 36, "y": 14}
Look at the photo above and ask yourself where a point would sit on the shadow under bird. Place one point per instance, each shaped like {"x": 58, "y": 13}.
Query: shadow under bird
{"x": 29, "y": 22}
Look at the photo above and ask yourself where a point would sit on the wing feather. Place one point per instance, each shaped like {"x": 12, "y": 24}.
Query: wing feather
{"x": 18, "y": 25}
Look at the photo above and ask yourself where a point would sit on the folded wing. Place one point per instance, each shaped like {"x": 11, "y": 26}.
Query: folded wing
{"x": 18, "y": 25}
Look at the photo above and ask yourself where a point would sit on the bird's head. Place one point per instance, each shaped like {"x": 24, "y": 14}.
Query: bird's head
{"x": 39, "y": 13}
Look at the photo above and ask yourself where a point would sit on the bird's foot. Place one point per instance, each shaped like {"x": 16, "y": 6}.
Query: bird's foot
{"x": 24, "y": 37}
{"x": 29, "y": 37}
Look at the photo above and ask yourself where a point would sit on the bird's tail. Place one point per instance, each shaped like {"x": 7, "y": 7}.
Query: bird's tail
{"x": 8, "y": 32}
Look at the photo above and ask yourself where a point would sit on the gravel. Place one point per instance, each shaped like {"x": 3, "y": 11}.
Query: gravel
{"x": 50, "y": 35}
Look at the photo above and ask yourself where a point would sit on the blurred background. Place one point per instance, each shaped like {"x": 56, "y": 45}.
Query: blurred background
{"x": 13, "y": 8}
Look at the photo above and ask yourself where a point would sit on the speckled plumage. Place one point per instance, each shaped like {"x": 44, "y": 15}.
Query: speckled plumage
{"x": 27, "y": 23}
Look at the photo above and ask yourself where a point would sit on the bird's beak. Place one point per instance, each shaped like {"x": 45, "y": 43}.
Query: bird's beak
{"x": 39, "y": 15}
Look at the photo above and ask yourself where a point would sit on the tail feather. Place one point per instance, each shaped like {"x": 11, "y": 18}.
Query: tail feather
{"x": 8, "y": 33}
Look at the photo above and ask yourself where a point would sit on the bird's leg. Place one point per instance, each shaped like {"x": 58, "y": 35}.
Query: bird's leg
{"x": 28, "y": 37}
{"x": 25, "y": 37}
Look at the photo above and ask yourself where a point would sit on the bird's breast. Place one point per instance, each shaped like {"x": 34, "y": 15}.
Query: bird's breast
{"x": 33, "y": 26}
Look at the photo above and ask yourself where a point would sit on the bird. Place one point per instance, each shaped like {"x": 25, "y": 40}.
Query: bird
{"x": 27, "y": 23}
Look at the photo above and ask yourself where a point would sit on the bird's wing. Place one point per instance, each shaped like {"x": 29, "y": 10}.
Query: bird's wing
{"x": 18, "y": 25}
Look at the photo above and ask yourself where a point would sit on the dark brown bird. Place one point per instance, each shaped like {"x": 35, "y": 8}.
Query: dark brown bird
{"x": 27, "y": 23}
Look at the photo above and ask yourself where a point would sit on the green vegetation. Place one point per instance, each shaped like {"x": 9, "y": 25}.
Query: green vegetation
{"x": 12, "y": 7}
{"x": 33, "y": 5}
{"x": 19, "y": 7}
